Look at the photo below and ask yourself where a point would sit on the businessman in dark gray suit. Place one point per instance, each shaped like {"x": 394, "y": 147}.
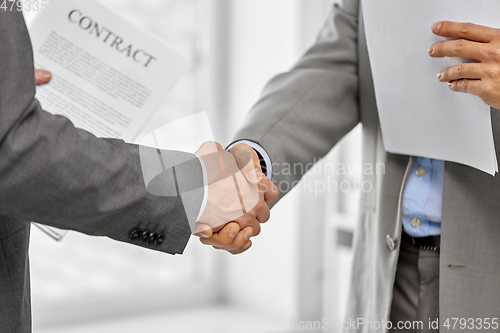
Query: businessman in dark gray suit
{"x": 53, "y": 173}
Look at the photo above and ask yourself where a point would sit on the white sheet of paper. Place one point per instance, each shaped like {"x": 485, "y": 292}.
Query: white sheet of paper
{"x": 109, "y": 76}
{"x": 185, "y": 134}
{"x": 419, "y": 115}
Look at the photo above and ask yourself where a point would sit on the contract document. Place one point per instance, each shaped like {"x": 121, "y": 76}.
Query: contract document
{"x": 109, "y": 76}
{"x": 419, "y": 115}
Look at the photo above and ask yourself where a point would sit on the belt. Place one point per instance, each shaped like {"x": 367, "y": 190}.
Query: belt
{"x": 430, "y": 243}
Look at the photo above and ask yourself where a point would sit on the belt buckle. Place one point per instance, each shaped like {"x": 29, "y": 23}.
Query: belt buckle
{"x": 428, "y": 248}
{"x": 423, "y": 247}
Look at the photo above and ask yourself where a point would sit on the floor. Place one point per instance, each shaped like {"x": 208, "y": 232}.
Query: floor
{"x": 215, "y": 319}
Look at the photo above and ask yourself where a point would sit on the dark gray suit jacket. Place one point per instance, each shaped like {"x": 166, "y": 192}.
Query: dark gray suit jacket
{"x": 53, "y": 173}
{"x": 303, "y": 113}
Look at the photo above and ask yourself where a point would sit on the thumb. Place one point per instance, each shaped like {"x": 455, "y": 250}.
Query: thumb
{"x": 248, "y": 162}
{"x": 271, "y": 191}
{"x": 42, "y": 76}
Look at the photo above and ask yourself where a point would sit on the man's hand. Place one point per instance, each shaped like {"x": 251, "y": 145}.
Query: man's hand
{"x": 230, "y": 196}
{"x": 230, "y": 238}
{"x": 42, "y": 77}
{"x": 475, "y": 42}
{"x": 241, "y": 152}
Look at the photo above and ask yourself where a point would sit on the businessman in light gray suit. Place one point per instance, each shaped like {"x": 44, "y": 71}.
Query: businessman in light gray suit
{"x": 53, "y": 173}
{"x": 427, "y": 244}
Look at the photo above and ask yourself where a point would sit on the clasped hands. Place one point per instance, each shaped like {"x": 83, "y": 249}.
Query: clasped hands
{"x": 238, "y": 193}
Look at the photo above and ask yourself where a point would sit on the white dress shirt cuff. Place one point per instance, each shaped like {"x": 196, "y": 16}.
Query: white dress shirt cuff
{"x": 261, "y": 151}
{"x": 205, "y": 187}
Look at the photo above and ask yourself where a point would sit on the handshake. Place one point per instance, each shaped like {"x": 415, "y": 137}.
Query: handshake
{"x": 238, "y": 193}
{"x": 224, "y": 194}
{"x": 235, "y": 191}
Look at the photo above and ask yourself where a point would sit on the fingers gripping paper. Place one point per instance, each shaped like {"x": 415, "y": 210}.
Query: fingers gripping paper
{"x": 419, "y": 115}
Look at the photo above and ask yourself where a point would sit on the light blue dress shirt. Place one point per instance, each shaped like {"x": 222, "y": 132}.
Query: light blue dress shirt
{"x": 422, "y": 196}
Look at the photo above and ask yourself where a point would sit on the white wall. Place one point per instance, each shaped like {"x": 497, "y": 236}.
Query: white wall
{"x": 264, "y": 40}
{"x": 268, "y": 37}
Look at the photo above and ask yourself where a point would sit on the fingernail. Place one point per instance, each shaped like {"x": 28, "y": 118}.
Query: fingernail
{"x": 203, "y": 234}
{"x": 44, "y": 74}
{"x": 440, "y": 76}
{"x": 436, "y": 26}
{"x": 246, "y": 246}
{"x": 431, "y": 49}
{"x": 449, "y": 84}
{"x": 248, "y": 234}
{"x": 233, "y": 232}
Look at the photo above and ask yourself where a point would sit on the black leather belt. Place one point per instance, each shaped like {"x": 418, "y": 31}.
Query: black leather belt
{"x": 431, "y": 243}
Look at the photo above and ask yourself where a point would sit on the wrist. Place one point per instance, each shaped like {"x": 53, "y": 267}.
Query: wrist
{"x": 265, "y": 160}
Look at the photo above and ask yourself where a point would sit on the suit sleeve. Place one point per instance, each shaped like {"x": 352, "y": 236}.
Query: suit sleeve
{"x": 303, "y": 113}
{"x": 55, "y": 174}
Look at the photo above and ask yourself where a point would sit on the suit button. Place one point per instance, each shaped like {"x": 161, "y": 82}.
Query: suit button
{"x": 144, "y": 236}
{"x": 134, "y": 234}
{"x": 152, "y": 237}
{"x": 391, "y": 243}
{"x": 160, "y": 240}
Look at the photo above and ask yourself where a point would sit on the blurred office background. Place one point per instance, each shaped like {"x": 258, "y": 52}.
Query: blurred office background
{"x": 297, "y": 269}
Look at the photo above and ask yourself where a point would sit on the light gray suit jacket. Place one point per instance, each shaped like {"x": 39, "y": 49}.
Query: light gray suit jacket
{"x": 303, "y": 113}
{"x": 55, "y": 174}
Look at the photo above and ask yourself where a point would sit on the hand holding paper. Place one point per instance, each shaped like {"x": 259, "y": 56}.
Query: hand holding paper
{"x": 476, "y": 42}
{"x": 418, "y": 115}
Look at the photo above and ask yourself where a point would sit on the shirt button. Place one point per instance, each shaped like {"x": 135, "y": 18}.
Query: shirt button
{"x": 415, "y": 223}
{"x": 420, "y": 171}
